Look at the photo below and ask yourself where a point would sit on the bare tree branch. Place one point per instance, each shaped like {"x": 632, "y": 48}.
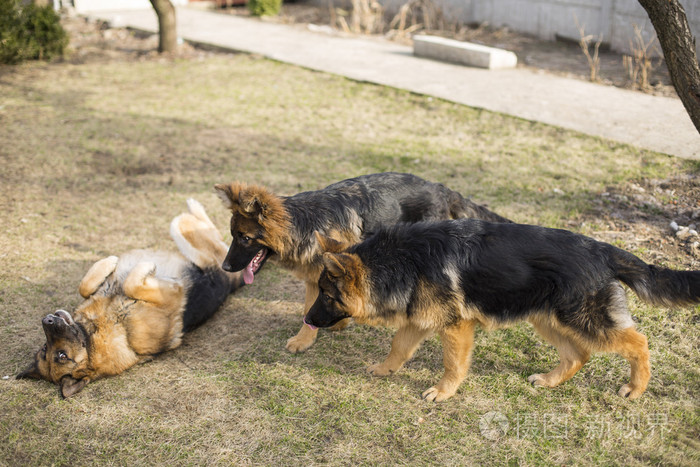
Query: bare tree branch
{"x": 677, "y": 42}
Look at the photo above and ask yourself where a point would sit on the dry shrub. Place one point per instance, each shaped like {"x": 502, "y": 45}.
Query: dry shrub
{"x": 366, "y": 17}
{"x": 639, "y": 65}
{"x": 585, "y": 42}
{"x": 417, "y": 15}
{"x": 369, "y": 17}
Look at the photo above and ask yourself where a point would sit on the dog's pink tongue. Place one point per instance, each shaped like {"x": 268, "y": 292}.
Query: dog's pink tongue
{"x": 248, "y": 275}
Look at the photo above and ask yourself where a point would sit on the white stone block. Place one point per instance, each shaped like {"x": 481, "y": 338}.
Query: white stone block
{"x": 465, "y": 53}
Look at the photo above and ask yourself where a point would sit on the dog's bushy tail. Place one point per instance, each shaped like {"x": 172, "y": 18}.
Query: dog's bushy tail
{"x": 460, "y": 207}
{"x": 654, "y": 284}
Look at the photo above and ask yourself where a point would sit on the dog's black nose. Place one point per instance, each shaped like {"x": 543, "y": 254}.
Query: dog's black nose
{"x": 48, "y": 320}
{"x": 226, "y": 266}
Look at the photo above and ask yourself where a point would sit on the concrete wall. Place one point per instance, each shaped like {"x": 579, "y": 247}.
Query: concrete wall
{"x": 547, "y": 19}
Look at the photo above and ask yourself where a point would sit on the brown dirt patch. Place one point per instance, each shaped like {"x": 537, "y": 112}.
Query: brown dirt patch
{"x": 656, "y": 219}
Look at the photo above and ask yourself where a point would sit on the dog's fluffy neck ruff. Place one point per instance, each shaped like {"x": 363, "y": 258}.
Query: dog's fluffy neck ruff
{"x": 300, "y": 249}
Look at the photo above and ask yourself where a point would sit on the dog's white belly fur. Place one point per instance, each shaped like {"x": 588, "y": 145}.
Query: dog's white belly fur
{"x": 169, "y": 266}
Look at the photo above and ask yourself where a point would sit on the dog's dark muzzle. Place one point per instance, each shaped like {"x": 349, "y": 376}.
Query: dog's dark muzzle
{"x": 238, "y": 258}
{"x": 320, "y": 316}
{"x": 59, "y": 325}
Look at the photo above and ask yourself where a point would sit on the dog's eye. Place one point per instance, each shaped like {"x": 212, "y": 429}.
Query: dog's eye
{"x": 243, "y": 237}
{"x": 62, "y": 355}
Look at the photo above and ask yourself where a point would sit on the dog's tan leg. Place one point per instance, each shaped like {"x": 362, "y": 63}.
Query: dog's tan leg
{"x": 571, "y": 357}
{"x": 404, "y": 345}
{"x": 633, "y": 346}
{"x": 458, "y": 342}
{"x": 141, "y": 284}
{"x": 96, "y": 275}
{"x": 306, "y": 336}
{"x": 198, "y": 240}
{"x": 157, "y": 328}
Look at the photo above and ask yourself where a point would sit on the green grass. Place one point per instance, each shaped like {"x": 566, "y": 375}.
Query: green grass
{"x": 98, "y": 158}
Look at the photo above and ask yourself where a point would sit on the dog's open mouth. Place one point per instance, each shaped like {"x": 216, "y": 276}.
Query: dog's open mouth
{"x": 60, "y": 318}
{"x": 65, "y": 316}
{"x": 253, "y": 266}
{"x": 60, "y": 324}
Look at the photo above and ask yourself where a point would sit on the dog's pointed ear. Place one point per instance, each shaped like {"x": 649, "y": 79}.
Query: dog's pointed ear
{"x": 31, "y": 372}
{"x": 71, "y": 387}
{"x": 244, "y": 198}
{"x": 225, "y": 192}
{"x": 253, "y": 206}
{"x": 329, "y": 244}
{"x": 333, "y": 265}
{"x": 340, "y": 266}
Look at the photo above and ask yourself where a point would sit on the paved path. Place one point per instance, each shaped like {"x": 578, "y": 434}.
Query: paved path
{"x": 657, "y": 123}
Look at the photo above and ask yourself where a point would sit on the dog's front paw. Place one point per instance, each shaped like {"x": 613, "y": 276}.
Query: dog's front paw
{"x": 299, "y": 344}
{"x": 629, "y": 391}
{"x": 538, "y": 380}
{"x": 437, "y": 395}
{"x": 380, "y": 369}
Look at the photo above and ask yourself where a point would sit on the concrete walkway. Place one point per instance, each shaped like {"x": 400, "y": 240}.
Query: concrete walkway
{"x": 657, "y": 123}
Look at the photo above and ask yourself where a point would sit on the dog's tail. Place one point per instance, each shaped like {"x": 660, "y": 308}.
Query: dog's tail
{"x": 460, "y": 207}
{"x": 654, "y": 284}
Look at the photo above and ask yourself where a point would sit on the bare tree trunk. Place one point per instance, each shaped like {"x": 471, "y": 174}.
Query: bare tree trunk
{"x": 677, "y": 42}
{"x": 167, "y": 27}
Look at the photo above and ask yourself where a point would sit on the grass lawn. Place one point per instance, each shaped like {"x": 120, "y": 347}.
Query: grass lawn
{"x": 97, "y": 158}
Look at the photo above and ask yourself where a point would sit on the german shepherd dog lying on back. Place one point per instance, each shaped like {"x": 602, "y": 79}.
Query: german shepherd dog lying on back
{"x": 449, "y": 276}
{"x": 264, "y": 225}
{"x": 136, "y": 306}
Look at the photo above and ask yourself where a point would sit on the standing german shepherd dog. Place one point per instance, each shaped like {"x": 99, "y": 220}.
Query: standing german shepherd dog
{"x": 136, "y": 306}
{"x": 264, "y": 225}
{"x": 449, "y": 276}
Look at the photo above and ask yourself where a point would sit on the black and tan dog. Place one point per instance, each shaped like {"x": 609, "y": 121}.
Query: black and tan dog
{"x": 264, "y": 225}
{"x": 136, "y": 306}
{"x": 449, "y": 276}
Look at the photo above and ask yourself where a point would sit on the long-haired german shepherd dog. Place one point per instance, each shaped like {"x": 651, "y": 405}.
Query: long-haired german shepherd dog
{"x": 265, "y": 225}
{"x": 449, "y": 276}
{"x": 136, "y": 306}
